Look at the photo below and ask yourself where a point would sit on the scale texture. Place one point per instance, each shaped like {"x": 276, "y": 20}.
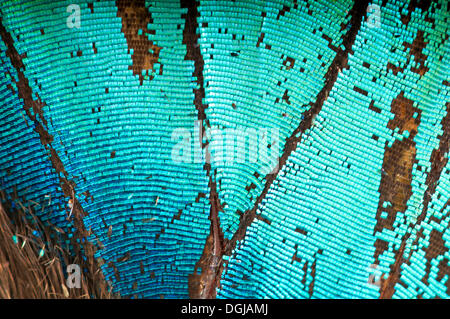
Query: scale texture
{"x": 349, "y": 196}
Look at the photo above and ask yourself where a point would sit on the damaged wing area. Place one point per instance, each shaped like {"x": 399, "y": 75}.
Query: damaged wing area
{"x": 226, "y": 149}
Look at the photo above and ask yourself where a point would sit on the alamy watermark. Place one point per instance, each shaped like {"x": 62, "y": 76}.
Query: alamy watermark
{"x": 227, "y": 146}
{"x": 74, "y": 19}
{"x": 373, "y": 16}
{"x": 73, "y": 276}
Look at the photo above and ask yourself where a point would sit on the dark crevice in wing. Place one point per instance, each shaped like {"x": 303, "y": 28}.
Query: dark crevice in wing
{"x": 203, "y": 284}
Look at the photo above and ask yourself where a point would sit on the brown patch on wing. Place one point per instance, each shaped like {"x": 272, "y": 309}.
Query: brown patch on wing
{"x": 415, "y": 49}
{"x": 135, "y": 17}
{"x": 395, "y": 186}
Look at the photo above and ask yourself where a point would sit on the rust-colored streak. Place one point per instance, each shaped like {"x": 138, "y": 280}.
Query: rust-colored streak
{"x": 203, "y": 285}
{"x": 396, "y": 177}
{"x": 135, "y": 19}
